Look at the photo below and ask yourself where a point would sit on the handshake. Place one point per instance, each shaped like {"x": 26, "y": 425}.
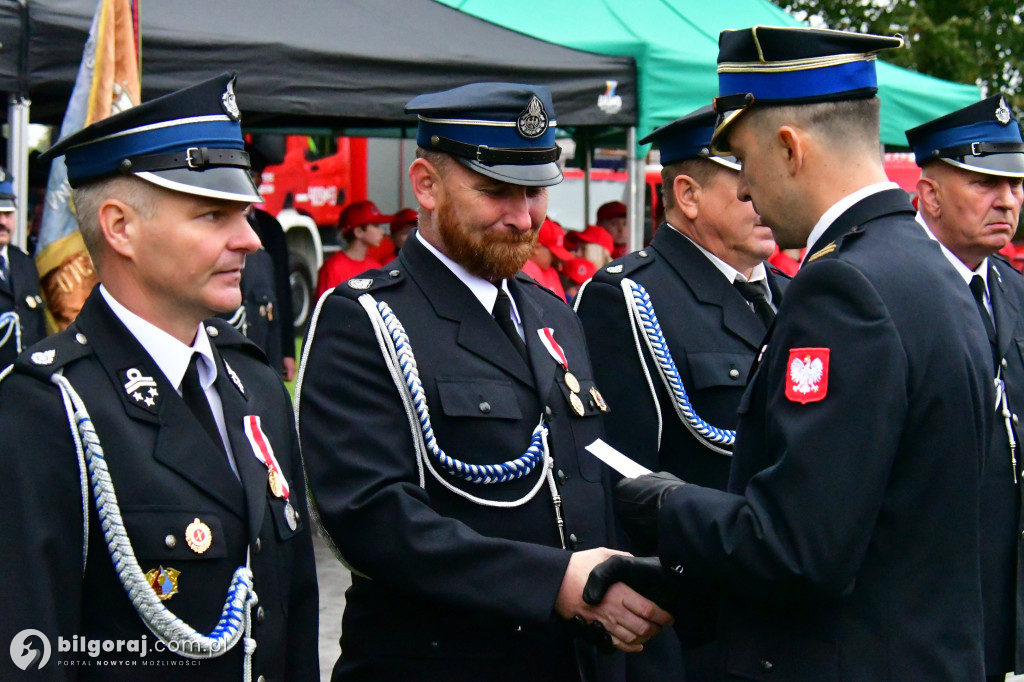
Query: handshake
{"x": 626, "y": 599}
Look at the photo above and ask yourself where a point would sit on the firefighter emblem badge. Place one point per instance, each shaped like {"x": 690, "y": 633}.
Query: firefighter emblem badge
{"x": 227, "y": 100}
{"x": 1003, "y": 112}
{"x": 807, "y": 378}
{"x": 533, "y": 122}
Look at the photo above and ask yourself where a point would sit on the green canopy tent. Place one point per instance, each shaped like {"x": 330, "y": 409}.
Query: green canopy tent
{"x": 675, "y": 45}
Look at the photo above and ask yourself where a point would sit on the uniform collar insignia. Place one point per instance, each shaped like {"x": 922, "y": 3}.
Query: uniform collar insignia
{"x": 234, "y": 378}
{"x": 360, "y": 284}
{"x": 43, "y": 357}
{"x": 140, "y": 389}
{"x": 1003, "y": 112}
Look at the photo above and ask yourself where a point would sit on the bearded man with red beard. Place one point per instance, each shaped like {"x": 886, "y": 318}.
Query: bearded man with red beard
{"x": 443, "y": 406}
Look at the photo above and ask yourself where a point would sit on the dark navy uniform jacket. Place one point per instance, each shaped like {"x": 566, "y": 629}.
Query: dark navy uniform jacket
{"x": 166, "y": 472}
{"x": 21, "y": 295}
{"x": 1001, "y": 524}
{"x": 847, "y": 545}
{"x": 713, "y": 336}
{"x": 443, "y": 588}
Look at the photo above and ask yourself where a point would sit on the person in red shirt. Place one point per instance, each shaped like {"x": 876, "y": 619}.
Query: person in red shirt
{"x": 548, "y": 252}
{"x": 595, "y": 244}
{"x": 401, "y": 227}
{"x": 612, "y": 217}
{"x": 360, "y": 225}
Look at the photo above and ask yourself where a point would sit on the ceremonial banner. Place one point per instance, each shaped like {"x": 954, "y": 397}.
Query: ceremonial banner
{"x": 107, "y": 83}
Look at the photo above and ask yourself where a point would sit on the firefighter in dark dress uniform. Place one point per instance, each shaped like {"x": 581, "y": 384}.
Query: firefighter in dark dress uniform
{"x": 846, "y": 545}
{"x": 155, "y": 493}
{"x": 22, "y": 318}
{"x": 444, "y": 403}
{"x": 969, "y": 199}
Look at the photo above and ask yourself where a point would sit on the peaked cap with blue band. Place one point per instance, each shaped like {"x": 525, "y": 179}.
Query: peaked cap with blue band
{"x": 982, "y": 137}
{"x": 188, "y": 141}
{"x": 767, "y": 65}
{"x": 505, "y": 131}
{"x": 689, "y": 137}
{"x": 6, "y": 191}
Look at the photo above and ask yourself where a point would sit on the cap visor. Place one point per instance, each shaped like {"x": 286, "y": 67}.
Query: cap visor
{"x": 539, "y": 175}
{"x": 719, "y": 140}
{"x": 1008, "y": 165}
{"x": 230, "y": 184}
{"x": 7, "y": 205}
{"x": 560, "y": 253}
{"x": 729, "y": 162}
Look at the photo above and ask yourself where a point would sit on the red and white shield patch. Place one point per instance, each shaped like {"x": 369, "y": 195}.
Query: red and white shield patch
{"x": 807, "y": 375}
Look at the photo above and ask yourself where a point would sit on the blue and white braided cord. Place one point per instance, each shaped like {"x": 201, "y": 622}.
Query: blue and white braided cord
{"x": 474, "y": 473}
{"x": 10, "y": 324}
{"x": 235, "y": 620}
{"x": 643, "y": 310}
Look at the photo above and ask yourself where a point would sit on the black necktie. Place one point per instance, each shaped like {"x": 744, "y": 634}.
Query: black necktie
{"x": 194, "y": 396}
{"x": 503, "y": 316}
{"x": 755, "y": 294}
{"x": 978, "y": 289}
{"x": 5, "y": 273}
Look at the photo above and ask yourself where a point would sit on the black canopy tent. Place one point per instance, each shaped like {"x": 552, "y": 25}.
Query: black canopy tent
{"x": 311, "y": 63}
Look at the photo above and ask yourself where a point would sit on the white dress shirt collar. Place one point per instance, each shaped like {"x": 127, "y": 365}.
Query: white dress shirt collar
{"x": 837, "y": 209}
{"x": 758, "y": 274}
{"x": 170, "y": 355}
{"x": 484, "y": 291}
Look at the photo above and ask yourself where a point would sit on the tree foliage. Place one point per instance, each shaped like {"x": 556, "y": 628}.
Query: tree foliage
{"x": 967, "y": 41}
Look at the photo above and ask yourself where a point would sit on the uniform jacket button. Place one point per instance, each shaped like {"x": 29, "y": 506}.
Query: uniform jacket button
{"x": 259, "y": 545}
{"x": 547, "y": 410}
{"x": 734, "y": 373}
{"x": 560, "y": 475}
{"x": 260, "y": 615}
{"x": 485, "y": 407}
{"x": 170, "y": 541}
{"x": 766, "y": 665}
{"x": 574, "y": 541}
{"x": 261, "y": 678}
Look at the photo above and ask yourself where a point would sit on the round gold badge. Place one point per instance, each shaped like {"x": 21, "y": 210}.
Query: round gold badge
{"x": 198, "y": 536}
{"x": 577, "y": 404}
{"x": 274, "y": 481}
{"x": 572, "y": 382}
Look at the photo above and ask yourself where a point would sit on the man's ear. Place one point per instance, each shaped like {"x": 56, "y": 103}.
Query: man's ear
{"x": 929, "y": 197}
{"x": 792, "y": 145}
{"x": 119, "y": 223}
{"x": 425, "y": 180}
{"x": 687, "y": 195}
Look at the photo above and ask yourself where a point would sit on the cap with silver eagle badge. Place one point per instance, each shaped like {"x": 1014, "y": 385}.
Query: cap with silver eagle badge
{"x": 774, "y": 65}
{"x": 188, "y": 141}
{"x": 505, "y": 131}
{"x": 983, "y": 137}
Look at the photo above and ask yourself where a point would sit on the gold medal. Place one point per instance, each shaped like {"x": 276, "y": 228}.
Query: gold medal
{"x": 164, "y": 581}
{"x": 577, "y": 404}
{"x": 274, "y": 480}
{"x": 572, "y": 382}
{"x": 598, "y": 399}
{"x": 198, "y": 536}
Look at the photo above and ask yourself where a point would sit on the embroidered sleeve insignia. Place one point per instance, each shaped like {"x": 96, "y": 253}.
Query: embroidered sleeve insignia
{"x": 807, "y": 377}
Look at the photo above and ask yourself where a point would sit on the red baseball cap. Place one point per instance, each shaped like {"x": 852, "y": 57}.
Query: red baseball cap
{"x": 579, "y": 270}
{"x": 611, "y": 210}
{"x": 595, "y": 234}
{"x": 407, "y": 217}
{"x": 553, "y": 236}
{"x": 360, "y": 213}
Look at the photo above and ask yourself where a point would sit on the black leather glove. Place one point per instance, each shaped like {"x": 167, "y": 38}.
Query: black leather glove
{"x": 646, "y": 575}
{"x": 638, "y": 500}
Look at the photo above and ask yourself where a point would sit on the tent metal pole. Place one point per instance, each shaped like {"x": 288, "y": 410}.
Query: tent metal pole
{"x": 588, "y": 156}
{"x": 635, "y": 204}
{"x": 17, "y": 162}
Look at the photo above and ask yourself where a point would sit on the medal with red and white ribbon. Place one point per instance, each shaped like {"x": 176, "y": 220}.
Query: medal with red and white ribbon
{"x": 547, "y": 337}
{"x": 264, "y": 452}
